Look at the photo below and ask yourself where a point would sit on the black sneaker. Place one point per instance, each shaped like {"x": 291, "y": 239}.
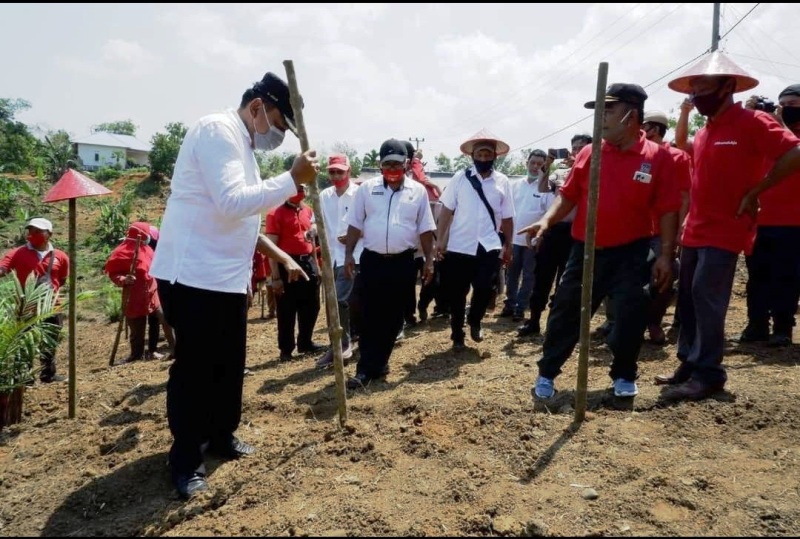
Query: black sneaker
{"x": 780, "y": 339}
{"x": 285, "y": 356}
{"x": 752, "y": 334}
{"x": 233, "y": 449}
{"x": 507, "y": 312}
{"x": 189, "y": 485}
{"x": 518, "y": 317}
{"x": 311, "y": 348}
{"x": 476, "y": 333}
{"x": 531, "y": 327}
{"x": 359, "y": 381}
{"x": 54, "y": 378}
{"x": 423, "y": 316}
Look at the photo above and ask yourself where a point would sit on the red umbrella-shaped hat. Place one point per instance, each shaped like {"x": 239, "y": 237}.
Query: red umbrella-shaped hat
{"x": 73, "y": 184}
{"x": 714, "y": 64}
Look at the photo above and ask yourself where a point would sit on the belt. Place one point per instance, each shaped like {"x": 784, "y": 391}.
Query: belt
{"x": 407, "y": 252}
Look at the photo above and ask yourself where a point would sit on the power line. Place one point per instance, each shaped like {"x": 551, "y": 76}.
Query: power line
{"x": 763, "y": 59}
{"x": 739, "y": 21}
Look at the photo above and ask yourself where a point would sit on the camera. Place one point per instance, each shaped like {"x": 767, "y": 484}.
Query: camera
{"x": 762, "y": 103}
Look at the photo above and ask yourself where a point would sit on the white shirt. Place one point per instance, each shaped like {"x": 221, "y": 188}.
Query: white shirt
{"x": 472, "y": 224}
{"x": 530, "y": 205}
{"x": 334, "y": 212}
{"x": 213, "y": 215}
{"x": 391, "y": 221}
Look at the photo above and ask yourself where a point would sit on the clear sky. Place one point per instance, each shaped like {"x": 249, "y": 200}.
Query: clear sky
{"x": 368, "y": 72}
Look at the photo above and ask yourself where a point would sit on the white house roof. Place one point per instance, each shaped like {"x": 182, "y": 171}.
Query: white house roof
{"x": 113, "y": 140}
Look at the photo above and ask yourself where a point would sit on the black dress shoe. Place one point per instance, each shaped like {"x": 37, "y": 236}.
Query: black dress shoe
{"x": 311, "y": 348}
{"x": 233, "y": 449}
{"x": 752, "y": 334}
{"x": 476, "y": 333}
{"x": 359, "y": 381}
{"x": 693, "y": 390}
{"x": 506, "y": 313}
{"x": 54, "y": 378}
{"x": 531, "y": 327}
{"x": 188, "y": 485}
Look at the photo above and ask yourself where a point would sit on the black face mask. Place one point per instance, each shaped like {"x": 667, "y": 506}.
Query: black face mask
{"x": 484, "y": 166}
{"x": 790, "y": 115}
{"x": 709, "y": 104}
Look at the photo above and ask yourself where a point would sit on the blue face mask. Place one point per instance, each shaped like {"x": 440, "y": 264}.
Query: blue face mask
{"x": 484, "y": 166}
{"x": 269, "y": 140}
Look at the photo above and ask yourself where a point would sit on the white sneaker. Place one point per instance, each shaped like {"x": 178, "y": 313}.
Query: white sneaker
{"x": 347, "y": 353}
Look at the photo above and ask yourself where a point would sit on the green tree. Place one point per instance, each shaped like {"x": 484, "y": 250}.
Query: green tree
{"x": 443, "y": 163}
{"x": 696, "y": 122}
{"x": 355, "y": 166}
{"x": 371, "y": 159}
{"x": 270, "y": 164}
{"x": 164, "y": 151}
{"x": 462, "y": 162}
{"x": 355, "y": 163}
{"x": 121, "y": 127}
{"x": 57, "y": 154}
{"x": 17, "y": 144}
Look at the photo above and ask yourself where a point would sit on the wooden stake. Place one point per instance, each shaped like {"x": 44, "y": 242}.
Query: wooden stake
{"x": 589, "y": 246}
{"x": 73, "y": 312}
{"x": 334, "y": 326}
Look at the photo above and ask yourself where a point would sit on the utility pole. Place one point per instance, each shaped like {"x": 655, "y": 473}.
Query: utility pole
{"x": 715, "y": 28}
{"x": 417, "y": 140}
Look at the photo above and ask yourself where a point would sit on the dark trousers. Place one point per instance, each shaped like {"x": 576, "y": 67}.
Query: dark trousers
{"x": 153, "y": 330}
{"x": 47, "y": 359}
{"x": 384, "y": 292}
{"x": 523, "y": 265}
{"x": 299, "y": 302}
{"x": 773, "y": 283}
{"x": 704, "y": 292}
{"x": 434, "y": 291}
{"x": 461, "y": 271}
{"x": 204, "y": 390}
{"x": 411, "y": 301}
{"x": 621, "y": 271}
{"x": 551, "y": 261}
{"x": 138, "y": 329}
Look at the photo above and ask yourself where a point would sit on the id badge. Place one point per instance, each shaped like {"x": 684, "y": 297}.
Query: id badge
{"x": 642, "y": 177}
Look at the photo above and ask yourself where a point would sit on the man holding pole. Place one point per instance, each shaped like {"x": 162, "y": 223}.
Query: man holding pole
{"x": 636, "y": 182}
{"x": 209, "y": 230}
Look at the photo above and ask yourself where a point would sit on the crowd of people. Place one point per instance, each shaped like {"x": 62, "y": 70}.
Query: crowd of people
{"x": 672, "y": 220}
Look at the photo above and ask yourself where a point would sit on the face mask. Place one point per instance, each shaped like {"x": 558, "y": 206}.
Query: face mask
{"x": 708, "y": 104}
{"x": 484, "y": 166}
{"x": 297, "y": 198}
{"x": 37, "y": 239}
{"x": 341, "y": 182}
{"x": 790, "y": 115}
{"x": 269, "y": 140}
{"x": 393, "y": 176}
{"x": 534, "y": 177}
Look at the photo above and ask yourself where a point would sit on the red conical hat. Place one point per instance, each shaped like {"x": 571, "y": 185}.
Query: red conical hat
{"x": 714, "y": 64}
{"x": 501, "y": 148}
{"x": 73, "y": 184}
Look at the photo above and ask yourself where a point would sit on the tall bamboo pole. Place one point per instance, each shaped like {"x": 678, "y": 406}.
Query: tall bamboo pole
{"x": 73, "y": 308}
{"x": 334, "y": 326}
{"x": 589, "y": 246}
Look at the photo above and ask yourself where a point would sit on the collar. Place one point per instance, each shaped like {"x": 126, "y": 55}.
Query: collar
{"x": 32, "y": 248}
{"x": 635, "y": 148}
{"x": 242, "y": 128}
{"x": 478, "y": 174}
{"x": 386, "y": 184}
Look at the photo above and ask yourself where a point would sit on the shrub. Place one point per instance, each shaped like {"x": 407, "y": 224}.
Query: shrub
{"x": 104, "y": 174}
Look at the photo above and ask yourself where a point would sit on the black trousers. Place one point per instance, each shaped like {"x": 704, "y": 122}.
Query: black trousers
{"x": 619, "y": 271}
{"x": 153, "y": 331}
{"x": 411, "y": 303}
{"x": 773, "y": 282}
{"x": 299, "y": 302}
{"x": 434, "y": 291}
{"x": 551, "y": 261}
{"x": 384, "y": 282}
{"x": 204, "y": 390}
{"x": 461, "y": 271}
{"x": 47, "y": 359}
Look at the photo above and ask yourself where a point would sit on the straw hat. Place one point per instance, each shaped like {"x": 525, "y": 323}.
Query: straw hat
{"x": 500, "y": 147}
{"x": 715, "y": 64}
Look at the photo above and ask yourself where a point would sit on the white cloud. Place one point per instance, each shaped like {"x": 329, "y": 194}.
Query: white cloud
{"x": 115, "y": 58}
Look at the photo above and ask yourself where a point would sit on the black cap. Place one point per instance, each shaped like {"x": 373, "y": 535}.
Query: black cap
{"x": 794, "y": 89}
{"x": 273, "y": 90}
{"x": 409, "y": 148}
{"x": 393, "y": 150}
{"x": 621, "y": 92}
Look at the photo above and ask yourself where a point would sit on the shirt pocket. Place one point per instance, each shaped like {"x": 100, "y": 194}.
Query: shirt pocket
{"x": 407, "y": 212}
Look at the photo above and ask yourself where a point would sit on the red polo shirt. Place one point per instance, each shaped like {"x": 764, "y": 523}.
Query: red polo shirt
{"x": 635, "y": 186}
{"x": 780, "y": 206}
{"x": 290, "y": 225}
{"x": 683, "y": 177}
{"x": 732, "y": 154}
{"x": 26, "y": 260}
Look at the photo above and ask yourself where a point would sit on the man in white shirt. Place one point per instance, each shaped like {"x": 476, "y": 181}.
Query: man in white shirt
{"x": 336, "y": 201}
{"x": 477, "y": 206}
{"x": 207, "y": 237}
{"x": 393, "y": 215}
{"x": 531, "y": 198}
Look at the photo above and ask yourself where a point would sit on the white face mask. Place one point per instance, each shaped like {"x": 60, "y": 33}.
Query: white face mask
{"x": 269, "y": 140}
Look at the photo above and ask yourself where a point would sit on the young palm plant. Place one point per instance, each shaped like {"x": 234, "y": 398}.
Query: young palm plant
{"x": 24, "y": 329}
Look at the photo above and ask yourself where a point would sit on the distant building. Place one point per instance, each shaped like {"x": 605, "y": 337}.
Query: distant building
{"x": 109, "y": 149}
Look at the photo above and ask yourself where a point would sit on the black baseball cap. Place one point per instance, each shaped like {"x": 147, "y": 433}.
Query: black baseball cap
{"x": 393, "y": 150}
{"x": 794, "y": 89}
{"x": 274, "y": 90}
{"x": 621, "y": 92}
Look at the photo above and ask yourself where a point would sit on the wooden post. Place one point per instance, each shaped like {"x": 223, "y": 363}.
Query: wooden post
{"x": 73, "y": 308}
{"x": 589, "y": 246}
{"x": 334, "y": 326}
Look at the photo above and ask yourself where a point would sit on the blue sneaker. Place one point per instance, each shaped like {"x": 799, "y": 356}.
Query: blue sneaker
{"x": 625, "y": 388}
{"x": 544, "y": 388}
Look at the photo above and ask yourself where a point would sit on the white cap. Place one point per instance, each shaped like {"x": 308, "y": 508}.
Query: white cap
{"x": 41, "y": 223}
